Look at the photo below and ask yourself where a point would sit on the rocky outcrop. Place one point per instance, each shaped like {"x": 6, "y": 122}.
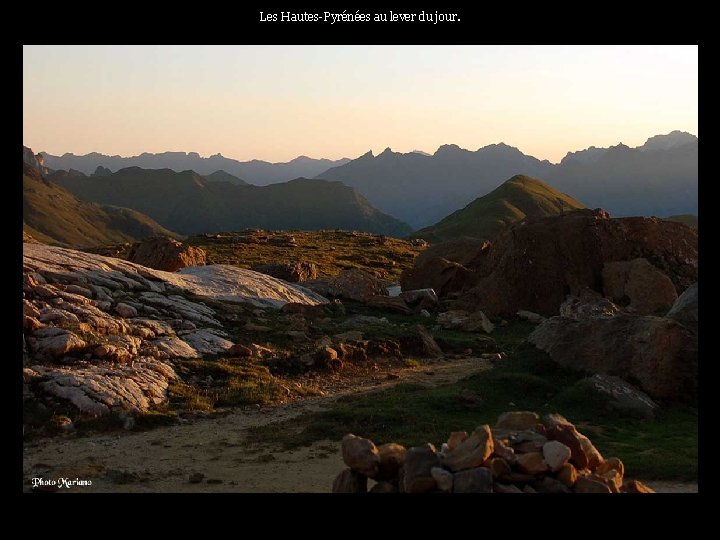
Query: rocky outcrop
{"x": 440, "y": 274}
{"x": 491, "y": 460}
{"x": 470, "y": 322}
{"x": 658, "y": 353}
{"x": 535, "y": 264}
{"x": 621, "y": 396}
{"x": 353, "y": 284}
{"x": 36, "y": 161}
{"x": 103, "y": 333}
{"x": 639, "y": 285}
{"x": 163, "y": 253}
{"x": 294, "y": 272}
{"x": 685, "y": 309}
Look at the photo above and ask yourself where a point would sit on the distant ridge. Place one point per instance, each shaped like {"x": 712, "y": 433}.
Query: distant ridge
{"x": 254, "y": 172}
{"x": 658, "y": 178}
{"x": 190, "y": 204}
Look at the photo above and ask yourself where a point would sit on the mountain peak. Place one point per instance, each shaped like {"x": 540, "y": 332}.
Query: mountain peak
{"x": 447, "y": 149}
{"x": 671, "y": 140}
{"x": 514, "y": 200}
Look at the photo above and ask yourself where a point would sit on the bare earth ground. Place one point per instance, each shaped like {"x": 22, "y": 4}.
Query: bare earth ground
{"x": 162, "y": 460}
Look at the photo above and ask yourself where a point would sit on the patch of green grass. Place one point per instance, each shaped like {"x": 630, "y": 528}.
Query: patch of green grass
{"x": 665, "y": 448}
{"x": 227, "y": 382}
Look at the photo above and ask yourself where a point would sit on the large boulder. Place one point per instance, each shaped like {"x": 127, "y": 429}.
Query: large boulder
{"x": 417, "y": 470}
{"x": 638, "y": 284}
{"x": 292, "y": 272}
{"x": 440, "y": 274}
{"x": 163, "y": 253}
{"x": 658, "y": 353}
{"x": 355, "y": 284}
{"x": 685, "y": 309}
{"x": 533, "y": 265}
{"x": 620, "y": 396}
{"x": 460, "y": 250}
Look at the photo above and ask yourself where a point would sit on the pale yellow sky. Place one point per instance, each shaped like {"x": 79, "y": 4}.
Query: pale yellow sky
{"x": 277, "y": 102}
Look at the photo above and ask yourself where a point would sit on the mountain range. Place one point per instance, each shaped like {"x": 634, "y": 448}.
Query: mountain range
{"x": 188, "y": 203}
{"x": 51, "y": 214}
{"x": 658, "y": 178}
{"x": 519, "y": 198}
{"x": 256, "y": 172}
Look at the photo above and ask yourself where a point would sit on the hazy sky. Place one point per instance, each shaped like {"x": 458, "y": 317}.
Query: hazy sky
{"x": 278, "y": 102}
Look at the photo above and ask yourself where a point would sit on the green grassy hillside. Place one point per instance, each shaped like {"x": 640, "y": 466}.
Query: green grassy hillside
{"x": 188, "y": 203}
{"x": 518, "y": 198}
{"x": 53, "y": 215}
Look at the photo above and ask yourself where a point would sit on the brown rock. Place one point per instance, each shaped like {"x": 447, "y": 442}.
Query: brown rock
{"x": 469, "y": 322}
{"x": 430, "y": 348}
{"x": 312, "y": 312}
{"x": 506, "y": 488}
{"x": 534, "y": 265}
{"x": 392, "y": 457}
{"x": 620, "y": 395}
{"x": 635, "y": 486}
{"x": 685, "y": 309}
{"x": 498, "y": 467}
{"x": 517, "y": 420}
{"x": 441, "y": 275}
{"x": 527, "y": 488}
{"x": 588, "y": 484}
{"x": 471, "y": 452}
{"x": 477, "y": 480}
{"x": 612, "y": 464}
{"x": 394, "y": 304}
{"x": 420, "y": 298}
{"x": 456, "y": 437}
{"x": 659, "y": 353}
{"x": 517, "y": 478}
{"x": 556, "y": 455}
{"x": 328, "y": 354}
{"x": 360, "y": 455}
{"x": 293, "y": 272}
{"x": 526, "y": 441}
{"x": 349, "y": 481}
{"x": 384, "y": 487}
{"x": 163, "y": 253}
{"x": 588, "y": 307}
{"x": 567, "y": 475}
{"x": 356, "y": 285}
{"x": 417, "y": 475}
{"x": 31, "y": 323}
{"x": 531, "y": 463}
{"x": 443, "y": 479}
{"x": 252, "y": 327}
{"x": 461, "y": 250}
{"x": 612, "y": 478}
{"x": 241, "y": 351}
{"x": 500, "y": 449}
{"x": 583, "y": 454}
{"x": 638, "y": 282}
{"x": 550, "y": 485}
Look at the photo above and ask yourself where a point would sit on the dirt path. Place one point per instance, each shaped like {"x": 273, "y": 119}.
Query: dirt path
{"x": 163, "y": 459}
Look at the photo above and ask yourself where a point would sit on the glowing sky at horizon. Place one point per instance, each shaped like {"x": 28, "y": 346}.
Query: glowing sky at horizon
{"x": 278, "y": 102}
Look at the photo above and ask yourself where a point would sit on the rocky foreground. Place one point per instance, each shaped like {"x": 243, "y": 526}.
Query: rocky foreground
{"x": 520, "y": 454}
{"x": 102, "y": 333}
